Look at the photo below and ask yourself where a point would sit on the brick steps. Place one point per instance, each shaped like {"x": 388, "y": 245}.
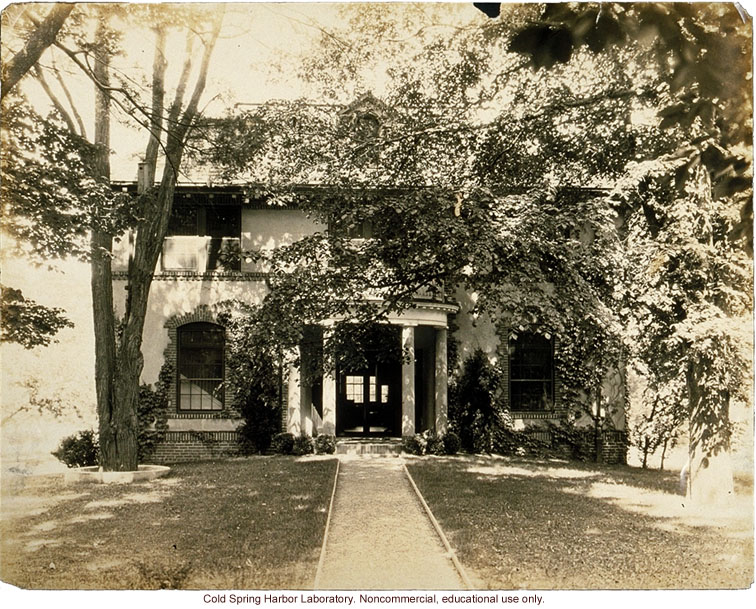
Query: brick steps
{"x": 369, "y": 447}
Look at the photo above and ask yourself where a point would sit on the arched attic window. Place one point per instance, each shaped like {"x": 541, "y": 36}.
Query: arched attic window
{"x": 365, "y": 126}
{"x": 200, "y": 365}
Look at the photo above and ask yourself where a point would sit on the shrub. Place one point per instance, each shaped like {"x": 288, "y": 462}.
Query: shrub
{"x": 451, "y": 443}
{"x": 261, "y": 421}
{"x": 259, "y": 409}
{"x": 325, "y": 444}
{"x": 414, "y": 445}
{"x": 430, "y": 443}
{"x": 473, "y": 411}
{"x": 253, "y": 379}
{"x": 480, "y": 436}
{"x": 303, "y": 445}
{"x": 283, "y": 443}
{"x": 80, "y": 450}
{"x": 435, "y": 444}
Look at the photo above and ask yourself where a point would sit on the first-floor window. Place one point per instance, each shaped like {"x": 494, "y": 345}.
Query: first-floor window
{"x": 200, "y": 366}
{"x": 531, "y": 373}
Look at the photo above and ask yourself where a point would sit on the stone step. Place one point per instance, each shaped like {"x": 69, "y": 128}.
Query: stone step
{"x": 367, "y": 447}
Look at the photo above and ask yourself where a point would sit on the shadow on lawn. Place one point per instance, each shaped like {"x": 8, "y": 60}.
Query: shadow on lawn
{"x": 521, "y": 524}
{"x": 224, "y": 524}
{"x": 52, "y": 532}
{"x": 651, "y": 479}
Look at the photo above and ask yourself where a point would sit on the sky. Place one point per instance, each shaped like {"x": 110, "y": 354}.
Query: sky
{"x": 255, "y": 60}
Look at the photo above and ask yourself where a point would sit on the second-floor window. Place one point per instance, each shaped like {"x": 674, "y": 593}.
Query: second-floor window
{"x": 356, "y": 229}
{"x": 203, "y": 238}
{"x": 360, "y": 230}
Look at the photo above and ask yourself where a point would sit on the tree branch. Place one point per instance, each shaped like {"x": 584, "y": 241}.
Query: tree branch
{"x": 159, "y": 66}
{"x": 187, "y": 118}
{"x": 178, "y": 99}
{"x": 69, "y": 97}
{"x": 106, "y": 88}
{"x": 40, "y": 39}
{"x": 53, "y": 98}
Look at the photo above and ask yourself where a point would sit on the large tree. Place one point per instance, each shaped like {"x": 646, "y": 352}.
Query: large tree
{"x": 645, "y": 103}
{"x": 83, "y": 196}
{"x": 453, "y": 198}
{"x": 690, "y": 207}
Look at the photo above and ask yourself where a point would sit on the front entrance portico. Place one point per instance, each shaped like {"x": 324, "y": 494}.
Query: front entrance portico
{"x": 382, "y": 400}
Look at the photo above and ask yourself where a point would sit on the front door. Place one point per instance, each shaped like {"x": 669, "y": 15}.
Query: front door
{"x": 369, "y": 401}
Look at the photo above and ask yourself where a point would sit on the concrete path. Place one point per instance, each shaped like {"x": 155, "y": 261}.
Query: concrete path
{"x": 380, "y": 537}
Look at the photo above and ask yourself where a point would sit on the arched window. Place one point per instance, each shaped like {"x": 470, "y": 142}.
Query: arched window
{"x": 531, "y": 373}
{"x": 200, "y": 366}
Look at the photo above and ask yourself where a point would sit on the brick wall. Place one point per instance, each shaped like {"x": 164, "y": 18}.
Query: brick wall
{"x": 180, "y": 446}
{"x": 614, "y": 447}
{"x": 613, "y": 444}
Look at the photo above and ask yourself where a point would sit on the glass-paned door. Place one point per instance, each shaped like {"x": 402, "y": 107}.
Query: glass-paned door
{"x": 368, "y": 401}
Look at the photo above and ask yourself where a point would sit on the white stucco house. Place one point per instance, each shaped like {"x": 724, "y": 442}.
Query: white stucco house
{"x": 385, "y": 400}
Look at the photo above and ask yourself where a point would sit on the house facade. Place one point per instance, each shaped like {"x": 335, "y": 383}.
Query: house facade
{"x": 200, "y": 268}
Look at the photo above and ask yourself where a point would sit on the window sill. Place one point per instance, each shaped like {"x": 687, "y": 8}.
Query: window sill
{"x": 535, "y": 414}
{"x": 201, "y": 414}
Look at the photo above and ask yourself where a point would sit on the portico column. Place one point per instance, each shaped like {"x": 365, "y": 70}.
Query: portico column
{"x": 329, "y": 396}
{"x": 294, "y": 423}
{"x": 408, "y": 381}
{"x": 442, "y": 381}
{"x": 329, "y": 404}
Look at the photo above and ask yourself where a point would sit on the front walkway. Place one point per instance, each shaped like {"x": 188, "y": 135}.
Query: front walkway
{"x": 380, "y": 538}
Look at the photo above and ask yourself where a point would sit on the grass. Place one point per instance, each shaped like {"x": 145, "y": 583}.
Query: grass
{"x": 519, "y": 524}
{"x": 253, "y": 523}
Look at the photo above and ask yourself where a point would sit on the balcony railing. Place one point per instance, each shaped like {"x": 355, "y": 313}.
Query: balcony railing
{"x": 434, "y": 293}
{"x": 201, "y": 254}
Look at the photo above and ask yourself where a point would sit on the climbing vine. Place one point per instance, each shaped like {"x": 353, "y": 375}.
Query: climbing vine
{"x": 152, "y": 412}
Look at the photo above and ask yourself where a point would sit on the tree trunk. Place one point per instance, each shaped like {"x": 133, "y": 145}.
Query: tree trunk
{"x": 664, "y": 453}
{"x": 710, "y": 468}
{"x": 118, "y": 371}
{"x": 118, "y": 434}
{"x": 645, "y": 453}
{"x": 156, "y": 206}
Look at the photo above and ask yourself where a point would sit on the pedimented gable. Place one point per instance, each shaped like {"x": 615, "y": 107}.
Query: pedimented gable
{"x": 366, "y": 116}
{"x": 366, "y": 104}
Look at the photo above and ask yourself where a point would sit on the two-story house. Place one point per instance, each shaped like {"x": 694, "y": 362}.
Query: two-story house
{"x": 200, "y": 268}
{"x": 203, "y": 264}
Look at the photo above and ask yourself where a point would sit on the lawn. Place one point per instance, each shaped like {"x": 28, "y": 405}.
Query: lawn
{"x": 519, "y": 524}
{"x": 253, "y": 523}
